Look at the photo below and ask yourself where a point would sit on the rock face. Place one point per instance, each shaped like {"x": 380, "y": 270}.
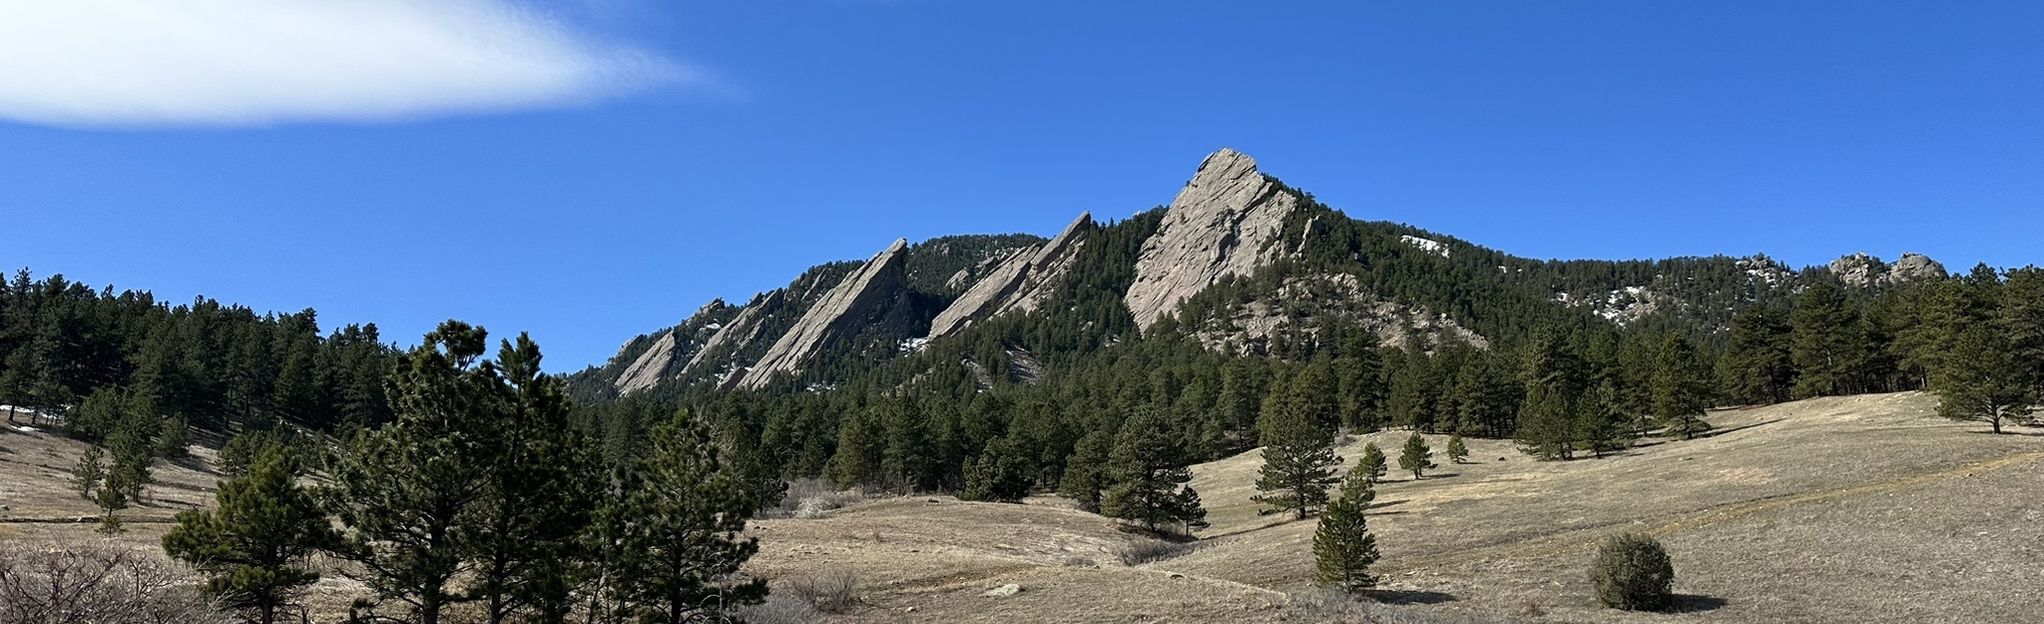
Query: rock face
{"x": 735, "y": 334}
{"x": 1020, "y": 283}
{"x": 1225, "y": 222}
{"x": 645, "y": 371}
{"x": 1303, "y": 305}
{"x": 839, "y": 312}
{"x": 1863, "y": 271}
{"x": 652, "y": 365}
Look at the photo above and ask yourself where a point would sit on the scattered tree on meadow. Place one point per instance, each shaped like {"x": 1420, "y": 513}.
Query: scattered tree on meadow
{"x": 253, "y": 545}
{"x": 1343, "y": 548}
{"x": 1373, "y": 465}
{"x": 1681, "y": 388}
{"x": 1457, "y": 451}
{"x": 1759, "y": 365}
{"x": 1298, "y": 464}
{"x": 1828, "y": 342}
{"x": 1086, "y": 477}
{"x": 536, "y": 494}
{"x": 1982, "y": 381}
{"x": 1416, "y": 456}
{"x": 1632, "y": 572}
{"x": 1550, "y": 417}
{"x": 1147, "y": 470}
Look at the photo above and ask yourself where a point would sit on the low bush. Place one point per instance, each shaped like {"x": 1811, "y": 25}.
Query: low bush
{"x": 1632, "y": 572}
{"x": 1147, "y": 551}
{"x": 71, "y": 584}
{"x": 811, "y": 498}
{"x": 780, "y": 609}
{"x": 830, "y": 592}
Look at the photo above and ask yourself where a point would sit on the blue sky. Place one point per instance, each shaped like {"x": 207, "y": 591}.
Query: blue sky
{"x": 602, "y": 168}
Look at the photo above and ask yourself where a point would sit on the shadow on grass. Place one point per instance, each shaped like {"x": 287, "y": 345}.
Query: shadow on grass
{"x": 1718, "y": 432}
{"x": 193, "y": 464}
{"x": 2011, "y": 431}
{"x": 1411, "y": 597}
{"x": 1692, "y": 603}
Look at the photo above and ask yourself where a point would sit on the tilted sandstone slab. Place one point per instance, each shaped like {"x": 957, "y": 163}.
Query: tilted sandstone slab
{"x": 838, "y": 312}
{"x": 652, "y": 365}
{"x": 1021, "y": 282}
{"x": 735, "y": 334}
{"x": 1225, "y": 222}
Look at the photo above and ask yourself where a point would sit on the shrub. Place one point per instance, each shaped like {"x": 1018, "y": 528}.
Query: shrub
{"x": 97, "y": 584}
{"x": 1146, "y": 551}
{"x": 830, "y": 592}
{"x": 811, "y": 498}
{"x": 780, "y": 609}
{"x": 1632, "y": 572}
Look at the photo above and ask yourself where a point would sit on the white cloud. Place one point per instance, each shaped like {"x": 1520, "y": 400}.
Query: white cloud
{"x": 142, "y": 63}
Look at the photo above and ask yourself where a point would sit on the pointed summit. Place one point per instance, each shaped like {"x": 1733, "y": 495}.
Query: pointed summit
{"x": 1224, "y": 222}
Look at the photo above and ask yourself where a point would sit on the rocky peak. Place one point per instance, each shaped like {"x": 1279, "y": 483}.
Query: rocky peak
{"x": 652, "y": 365}
{"x": 1020, "y": 283}
{"x": 1862, "y": 270}
{"x": 1223, "y": 223}
{"x": 838, "y": 312}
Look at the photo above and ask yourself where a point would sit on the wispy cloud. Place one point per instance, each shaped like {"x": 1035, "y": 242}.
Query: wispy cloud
{"x": 150, "y": 63}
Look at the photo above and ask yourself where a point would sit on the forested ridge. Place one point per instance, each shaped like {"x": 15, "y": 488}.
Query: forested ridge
{"x": 451, "y": 478}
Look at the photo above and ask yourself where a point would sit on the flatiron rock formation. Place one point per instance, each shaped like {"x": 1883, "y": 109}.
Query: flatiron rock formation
{"x": 1020, "y": 283}
{"x": 1225, "y": 222}
{"x": 838, "y": 313}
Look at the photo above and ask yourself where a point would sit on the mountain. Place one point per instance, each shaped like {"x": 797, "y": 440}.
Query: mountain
{"x": 1238, "y": 261}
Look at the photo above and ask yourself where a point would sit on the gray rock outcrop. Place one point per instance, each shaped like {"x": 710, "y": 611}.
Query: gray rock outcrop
{"x": 732, "y": 336}
{"x": 653, "y": 365}
{"x": 1225, "y": 222}
{"x": 1020, "y": 283}
{"x": 838, "y": 312}
{"x": 1863, "y": 271}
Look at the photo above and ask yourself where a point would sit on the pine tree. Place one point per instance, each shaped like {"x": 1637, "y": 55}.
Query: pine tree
{"x": 536, "y": 497}
{"x": 1982, "y": 381}
{"x": 252, "y": 547}
{"x": 1147, "y": 470}
{"x": 908, "y": 459}
{"x": 1416, "y": 457}
{"x": 1085, "y": 477}
{"x": 684, "y": 538}
{"x": 1760, "y": 367}
{"x": 406, "y": 493}
{"x": 1373, "y": 465}
{"x": 998, "y": 475}
{"x": 1298, "y": 464}
{"x": 1827, "y": 342}
{"x": 1343, "y": 547}
{"x": 1681, "y": 388}
{"x": 1457, "y": 451}
{"x": 1549, "y": 419}
{"x": 2021, "y": 315}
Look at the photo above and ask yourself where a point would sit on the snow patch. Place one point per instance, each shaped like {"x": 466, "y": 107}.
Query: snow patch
{"x": 1426, "y": 244}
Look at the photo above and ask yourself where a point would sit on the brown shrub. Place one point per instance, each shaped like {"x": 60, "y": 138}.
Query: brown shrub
{"x": 70, "y": 584}
{"x": 829, "y": 592}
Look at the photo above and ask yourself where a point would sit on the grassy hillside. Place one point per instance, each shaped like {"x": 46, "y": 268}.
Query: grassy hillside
{"x": 1847, "y": 509}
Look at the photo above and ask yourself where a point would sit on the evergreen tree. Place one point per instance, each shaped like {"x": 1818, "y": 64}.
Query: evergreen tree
{"x": 1343, "y": 548}
{"x": 1982, "y": 381}
{"x": 1457, "y": 451}
{"x": 1549, "y": 419}
{"x": 252, "y": 547}
{"x": 1147, "y": 470}
{"x": 1086, "y": 476}
{"x": 1416, "y": 457}
{"x": 683, "y": 540}
{"x": 1827, "y": 342}
{"x": 1759, "y": 366}
{"x": 1298, "y": 464}
{"x": 998, "y": 475}
{"x": 406, "y": 494}
{"x": 2021, "y": 315}
{"x": 908, "y": 459}
{"x": 1373, "y": 465}
{"x": 1681, "y": 388}
{"x": 536, "y": 497}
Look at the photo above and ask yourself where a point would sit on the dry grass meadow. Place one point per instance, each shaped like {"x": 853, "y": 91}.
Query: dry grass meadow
{"x": 1852, "y": 509}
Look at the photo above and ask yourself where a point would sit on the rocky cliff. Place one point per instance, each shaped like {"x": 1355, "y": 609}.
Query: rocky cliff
{"x": 686, "y": 340}
{"x": 841, "y": 311}
{"x": 1864, "y": 271}
{"x": 1019, "y": 283}
{"x": 1225, "y": 222}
